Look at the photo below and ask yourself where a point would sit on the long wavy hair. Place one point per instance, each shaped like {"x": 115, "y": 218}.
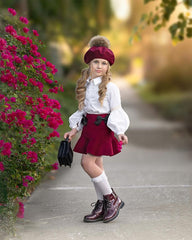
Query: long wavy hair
{"x": 81, "y": 86}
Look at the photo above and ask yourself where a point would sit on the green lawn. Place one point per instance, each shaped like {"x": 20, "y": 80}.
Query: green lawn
{"x": 173, "y": 105}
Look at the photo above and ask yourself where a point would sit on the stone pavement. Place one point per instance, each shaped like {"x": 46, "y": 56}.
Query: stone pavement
{"x": 153, "y": 175}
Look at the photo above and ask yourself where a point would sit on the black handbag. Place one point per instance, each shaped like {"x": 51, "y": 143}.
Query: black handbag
{"x": 65, "y": 153}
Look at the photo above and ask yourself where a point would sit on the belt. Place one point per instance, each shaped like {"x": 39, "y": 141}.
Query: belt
{"x": 98, "y": 121}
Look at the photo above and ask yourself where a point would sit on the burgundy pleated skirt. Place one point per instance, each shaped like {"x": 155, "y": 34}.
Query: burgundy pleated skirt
{"x": 97, "y": 140}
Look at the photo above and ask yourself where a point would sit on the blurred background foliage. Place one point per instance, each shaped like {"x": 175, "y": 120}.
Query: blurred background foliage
{"x": 150, "y": 57}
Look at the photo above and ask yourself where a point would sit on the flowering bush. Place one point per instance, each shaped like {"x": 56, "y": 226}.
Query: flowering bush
{"x": 28, "y": 116}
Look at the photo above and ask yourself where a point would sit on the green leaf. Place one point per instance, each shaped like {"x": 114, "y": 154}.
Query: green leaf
{"x": 155, "y": 19}
{"x": 188, "y": 3}
{"x": 156, "y": 28}
{"x": 189, "y": 32}
{"x": 147, "y": 1}
{"x": 190, "y": 21}
{"x": 181, "y": 16}
{"x": 143, "y": 17}
{"x": 173, "y": 29}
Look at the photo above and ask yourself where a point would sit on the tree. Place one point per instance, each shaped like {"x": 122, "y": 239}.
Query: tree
{"x": 179, "y": 29}
{"x": 72, "y": 20}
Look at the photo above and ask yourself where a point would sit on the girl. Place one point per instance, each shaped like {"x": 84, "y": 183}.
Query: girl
{"x": 99, "y": 115}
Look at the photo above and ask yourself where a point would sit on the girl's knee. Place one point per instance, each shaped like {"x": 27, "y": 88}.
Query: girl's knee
{"x": 84, "y": 163}
{"x": 87, "y": 162}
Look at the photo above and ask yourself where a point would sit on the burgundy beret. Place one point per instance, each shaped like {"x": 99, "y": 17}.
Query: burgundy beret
{"x": 99, "y": 52}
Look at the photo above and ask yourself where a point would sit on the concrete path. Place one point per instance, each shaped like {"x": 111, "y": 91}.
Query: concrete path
{"x": 153, "y": 175}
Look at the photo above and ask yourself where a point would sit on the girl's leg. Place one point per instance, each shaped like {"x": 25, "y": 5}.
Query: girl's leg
{"x": 93, "y": 166}
{"x": 88, "y": 163}
{"x": 108, "y": 204}
{"x": 99, "y": 162}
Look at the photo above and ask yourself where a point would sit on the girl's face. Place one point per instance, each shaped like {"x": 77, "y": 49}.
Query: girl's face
{"x": 98, "y": 67}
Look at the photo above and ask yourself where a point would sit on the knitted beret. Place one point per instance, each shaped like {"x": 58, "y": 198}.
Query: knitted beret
{"x": 99, "y": 48}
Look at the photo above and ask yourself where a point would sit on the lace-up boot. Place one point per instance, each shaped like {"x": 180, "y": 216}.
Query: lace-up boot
{"x": 112, "y": 205}
{"x": 97, "y": 212}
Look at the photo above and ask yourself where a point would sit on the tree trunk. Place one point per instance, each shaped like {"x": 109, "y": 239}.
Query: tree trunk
{"x": 22, "y": 7}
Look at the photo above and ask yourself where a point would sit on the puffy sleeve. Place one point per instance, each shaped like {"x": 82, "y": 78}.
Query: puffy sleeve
{"x": 75, "y": 120}
{"x": 118, "y": 120}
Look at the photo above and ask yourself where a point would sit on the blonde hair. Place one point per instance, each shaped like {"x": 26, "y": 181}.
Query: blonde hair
{"x": 81, "y": 86}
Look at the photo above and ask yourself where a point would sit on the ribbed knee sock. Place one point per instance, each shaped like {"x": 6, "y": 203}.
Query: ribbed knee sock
{"x": 102, "y": 186}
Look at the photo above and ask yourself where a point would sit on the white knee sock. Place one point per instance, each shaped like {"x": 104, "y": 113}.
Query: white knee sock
{"x": 102, "y": 186}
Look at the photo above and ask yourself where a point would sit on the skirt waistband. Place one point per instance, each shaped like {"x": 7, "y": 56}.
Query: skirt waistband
{"x": 95, "y": 118}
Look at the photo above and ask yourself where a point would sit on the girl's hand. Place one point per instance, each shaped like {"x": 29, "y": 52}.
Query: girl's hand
{"x": 71, "y": 134}
{"x": 123, "y": 138}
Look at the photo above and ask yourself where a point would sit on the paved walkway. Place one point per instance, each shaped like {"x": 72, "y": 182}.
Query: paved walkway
{"x": 153, "y": 175}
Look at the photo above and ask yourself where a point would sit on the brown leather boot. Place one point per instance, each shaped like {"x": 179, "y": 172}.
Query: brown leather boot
{"x": 96, "y": 214}
{"x": 112, "y": 205}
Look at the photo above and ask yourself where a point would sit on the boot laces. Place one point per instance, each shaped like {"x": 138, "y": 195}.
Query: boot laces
{"x": 96, "y": 204}
{"x": 107, "y": 203}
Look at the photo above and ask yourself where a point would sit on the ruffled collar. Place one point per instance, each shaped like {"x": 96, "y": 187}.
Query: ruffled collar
{"x": 96, "y": 81}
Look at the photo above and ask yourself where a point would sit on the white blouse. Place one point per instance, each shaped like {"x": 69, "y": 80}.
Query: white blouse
{"x": 118, "y": 120}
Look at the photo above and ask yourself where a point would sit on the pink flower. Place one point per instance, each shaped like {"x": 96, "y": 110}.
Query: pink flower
{"x": 35, "y": 33}
{"x": 49, "y": 64}
{"x": 32, "y": 81}
{"x": 55, "y": 104}
{"x": 22, "y": 39}
{"x": 29, "y": 40}
{"x": 40, "y": 86}
{"x": 13, "y": 99}
{"x": 20, "y": 213}
{"x": 1, "y": 97}
{"x": 11, "y": 30}
{"x": 52, "y": 123}
{"x": 27, "y": 124}
{"x": 20, "y": 114}
{"x": 3, "y": 43}
{"x": 55, "y": 166}
{"x": 8, "y": 106}
{"x": 54, "y": 134}
{"x": 24, "y": 20}
{"x": 29, "y": 178}
{"x": 28, "y": 59}
{"x": 54, "y": 90}
{"x": 10, "y": 118}
{"x": 29, "y": 101}
{"x": 26, "y": 180}
{"x": 45, "y": 96}
{"x": 24, "y": 140}
{"x": 32, "y": 156}
{"x": 25, "y": 30}
{"x": 35, "y": 53}
{"x": 17, "y": 59}
{"x": 32, "y": 129}
{"x": 25, "y": 183}
{"x": 8, "y": 78}
{"x": 49, "y": 81}
{"x": 32, "y": 141}
{"x": 12, "y": 11}
{"x": 22, "y": 78}
{"x": 61, "y": 89}
{"x": 1, "y": 143}
{"x": 34, "y": 47}
{"x": 2, "y": 167}
{"x": 54, "y": 71}
{"x": 12, "y": 49}
{"x": 6, "y": 149}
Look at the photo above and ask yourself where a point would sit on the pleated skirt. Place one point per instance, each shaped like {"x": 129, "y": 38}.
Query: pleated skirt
{"x": 97, "y": 140}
